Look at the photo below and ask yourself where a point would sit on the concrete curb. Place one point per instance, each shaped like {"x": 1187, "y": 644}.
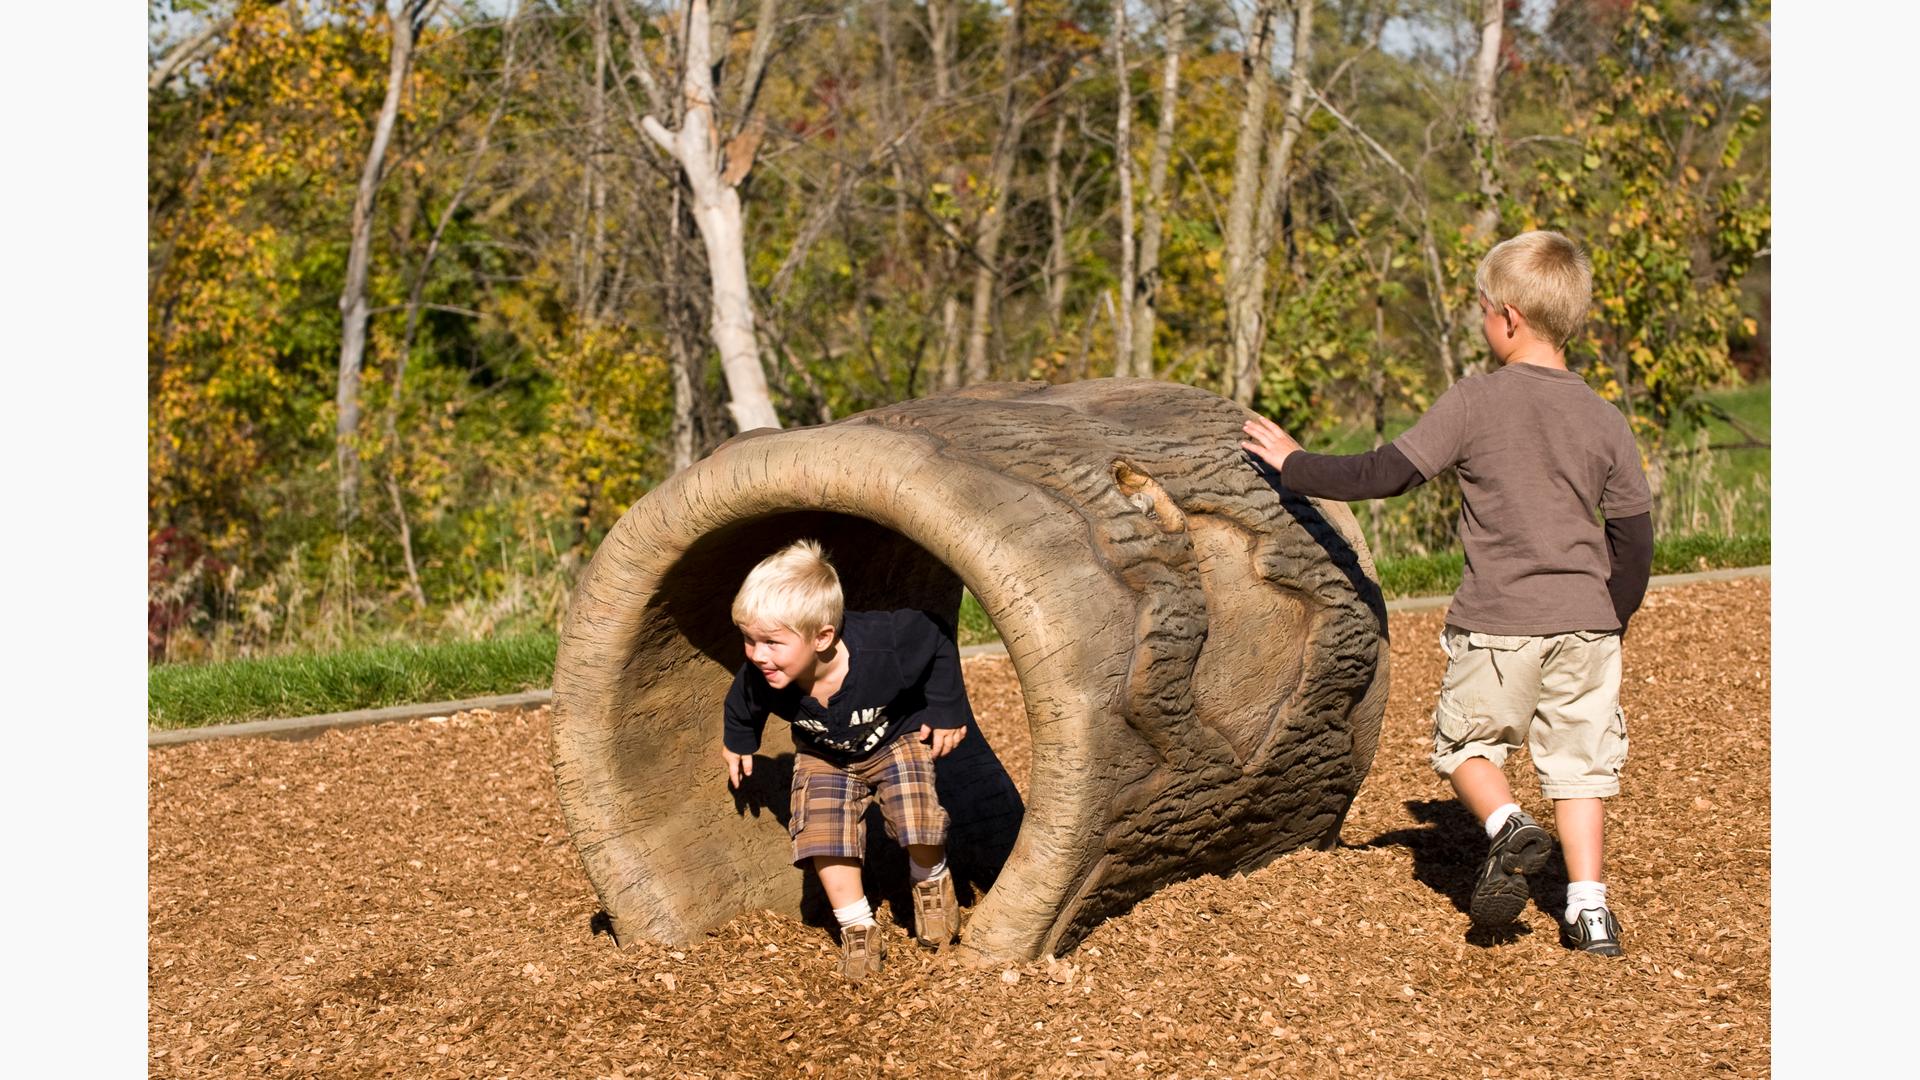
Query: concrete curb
{"x": 306, "y": 727}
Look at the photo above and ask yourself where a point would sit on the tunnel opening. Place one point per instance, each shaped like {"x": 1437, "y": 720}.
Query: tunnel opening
{"x": 879, "y": 569}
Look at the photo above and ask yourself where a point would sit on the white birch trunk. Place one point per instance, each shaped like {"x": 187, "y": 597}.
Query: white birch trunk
{"x": 353, "y": 292}
{"x": 1483, "y": 123}
{"x": 1123, "y": 169}
{"x": 1279, "y": 181}
{"x": 1243, "y": 301}
{"x": 1144, "y": 310}
{"x": 1056, "y": 266}
{"x": 994, "y": 221}
{"x": 711, "y": 177}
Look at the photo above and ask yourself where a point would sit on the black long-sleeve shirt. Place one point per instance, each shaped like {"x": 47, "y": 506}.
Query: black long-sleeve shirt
{"x": 1384, "y": 471}
{"x": 903, "y": 671}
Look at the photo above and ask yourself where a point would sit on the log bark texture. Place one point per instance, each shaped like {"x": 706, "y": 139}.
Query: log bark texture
{"x": 1203, "y": 659}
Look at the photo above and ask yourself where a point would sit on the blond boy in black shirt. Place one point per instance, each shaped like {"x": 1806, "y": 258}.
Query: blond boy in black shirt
{"x": 873, "y": 698}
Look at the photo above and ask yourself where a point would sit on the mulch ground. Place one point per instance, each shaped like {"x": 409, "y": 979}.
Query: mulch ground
{"x": 404, "y": 900}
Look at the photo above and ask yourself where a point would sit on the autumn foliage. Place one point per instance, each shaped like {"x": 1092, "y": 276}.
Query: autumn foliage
{"x": 537, "y": 289}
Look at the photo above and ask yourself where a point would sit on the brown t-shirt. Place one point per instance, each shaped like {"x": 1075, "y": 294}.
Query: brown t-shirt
{"x": 1537, "y": 451}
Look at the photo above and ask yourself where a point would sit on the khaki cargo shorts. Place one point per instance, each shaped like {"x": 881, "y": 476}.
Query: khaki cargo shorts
{"x": 830, "y": 801}
{"x": 1560, "y": 692}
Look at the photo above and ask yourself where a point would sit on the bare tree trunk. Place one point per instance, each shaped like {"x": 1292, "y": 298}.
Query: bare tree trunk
{"x": 353, "y": 292}
{"x": 396, "y": 396}
{"x": 1377, "y": 378}
{"x": 592, "y": 264}
{"x": 1483, "y": 124}
{"x": 950, "y": 338}
{"x": 186, "y": 52}
{"x": 993, "y": 222}
{"x": 684, "y": 347}
{"x": 1144, "y": 310}
{"x": 940, "y": 36}
{"x": 713, "y": 174}
{"x": 1123, "y": 169}
{"x": 1056, "y": 266}
{"x": 1243, "y": 301}
{"x": 1279, "y": 179}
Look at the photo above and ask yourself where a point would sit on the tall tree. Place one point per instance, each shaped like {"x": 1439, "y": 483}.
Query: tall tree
{"x": 1243, "y": 301}
{"x": 713, "y": 172}
{"x": 405, "y": 24}
{"x": 993, "y": 219}
{"x": 1483, "y": 123}
{"x": 1123, "y": 177}
{"x": 1174, "y": 32}
{"x": 1279, "y": 176}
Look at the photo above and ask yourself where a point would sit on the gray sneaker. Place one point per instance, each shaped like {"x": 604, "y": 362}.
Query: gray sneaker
{"x": 936, "y": 913}
{"x": 1593, "y": 930}
{"x": 1500, "y": 892}
{"x": 863, "y": 952}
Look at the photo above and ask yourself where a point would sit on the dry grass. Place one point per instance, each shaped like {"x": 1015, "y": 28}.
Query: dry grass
{"x": 404, "y": 901}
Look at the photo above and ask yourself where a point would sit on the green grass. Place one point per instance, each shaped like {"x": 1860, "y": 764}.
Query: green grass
{"x": 1437, "y": 575}
{"x": 975, "y": 628}
{"x": 189, "y": 695}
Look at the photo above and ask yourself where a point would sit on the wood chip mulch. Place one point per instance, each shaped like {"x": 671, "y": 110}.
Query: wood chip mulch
{"x": 403, "y": 900}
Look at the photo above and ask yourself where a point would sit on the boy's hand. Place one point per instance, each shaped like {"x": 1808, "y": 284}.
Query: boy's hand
{"x": 1270, "y": 444}
{"x": 943, "y": 739}
{"x": 738, "y": 766}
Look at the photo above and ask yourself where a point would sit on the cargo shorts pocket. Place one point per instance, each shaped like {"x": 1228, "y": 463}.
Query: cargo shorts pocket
{"x": 1613, "y": 750}
{"x": 1454, "y": 728}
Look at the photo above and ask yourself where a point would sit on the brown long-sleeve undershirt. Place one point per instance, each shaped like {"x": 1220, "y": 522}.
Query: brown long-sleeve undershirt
{"x": 1384, "y": 471}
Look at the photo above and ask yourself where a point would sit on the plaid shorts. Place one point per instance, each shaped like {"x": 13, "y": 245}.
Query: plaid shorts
{"x": 830, "y": 802}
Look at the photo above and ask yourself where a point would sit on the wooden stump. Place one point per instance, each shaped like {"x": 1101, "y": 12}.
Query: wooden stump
{"x": 1204, "y": 661}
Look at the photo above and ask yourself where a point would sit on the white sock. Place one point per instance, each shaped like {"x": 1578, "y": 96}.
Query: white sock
{"x": 917, "y": 873}
{"x": 858, "y": 913}
{"x": 1582, "y": 895}
{"x": 1499, "y": 817}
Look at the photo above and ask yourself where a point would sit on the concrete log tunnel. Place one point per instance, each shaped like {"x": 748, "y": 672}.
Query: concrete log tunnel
{"x": 1203, "y": 659}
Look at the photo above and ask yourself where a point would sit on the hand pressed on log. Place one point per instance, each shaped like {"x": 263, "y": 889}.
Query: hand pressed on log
{"x": 1270, "y": 444}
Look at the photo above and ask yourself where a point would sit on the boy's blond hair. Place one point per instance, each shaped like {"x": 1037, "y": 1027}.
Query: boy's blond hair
{"x": 1542, "y": 275}
{"x": 795, "y": 587}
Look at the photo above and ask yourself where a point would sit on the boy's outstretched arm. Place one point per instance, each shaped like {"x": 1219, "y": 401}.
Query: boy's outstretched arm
{"x": 1375, "y": 474}
{"x": 1630, "y": 555}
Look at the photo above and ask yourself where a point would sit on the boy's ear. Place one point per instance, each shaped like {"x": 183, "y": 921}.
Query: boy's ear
{"x": 1515, "y": 320}
{"x": 823, "y": 638}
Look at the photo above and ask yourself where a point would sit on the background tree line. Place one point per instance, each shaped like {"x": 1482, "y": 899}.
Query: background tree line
{"x": 437, "y": 289}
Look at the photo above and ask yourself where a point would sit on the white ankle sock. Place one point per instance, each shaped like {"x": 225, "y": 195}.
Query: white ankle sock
{"x": 917, "y": 873}
{"x": 859, "y": 913}
{"x": 1499, "y": 817}
{"x": 1582, "y": 895}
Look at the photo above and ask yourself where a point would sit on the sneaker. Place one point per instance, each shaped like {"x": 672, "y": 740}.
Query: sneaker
{"x": 936, "y": 913}
{"x": 1594, "y": 930}
{"x": 862, "y": 952}
{"x": 1500, "y": 893}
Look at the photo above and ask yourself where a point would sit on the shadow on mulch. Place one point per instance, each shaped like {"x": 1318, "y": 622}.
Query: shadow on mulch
{"x": 1447, "y": 850}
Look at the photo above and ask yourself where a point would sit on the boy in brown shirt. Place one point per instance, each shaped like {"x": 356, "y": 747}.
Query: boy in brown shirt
{"x": 1533, "y": 634}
